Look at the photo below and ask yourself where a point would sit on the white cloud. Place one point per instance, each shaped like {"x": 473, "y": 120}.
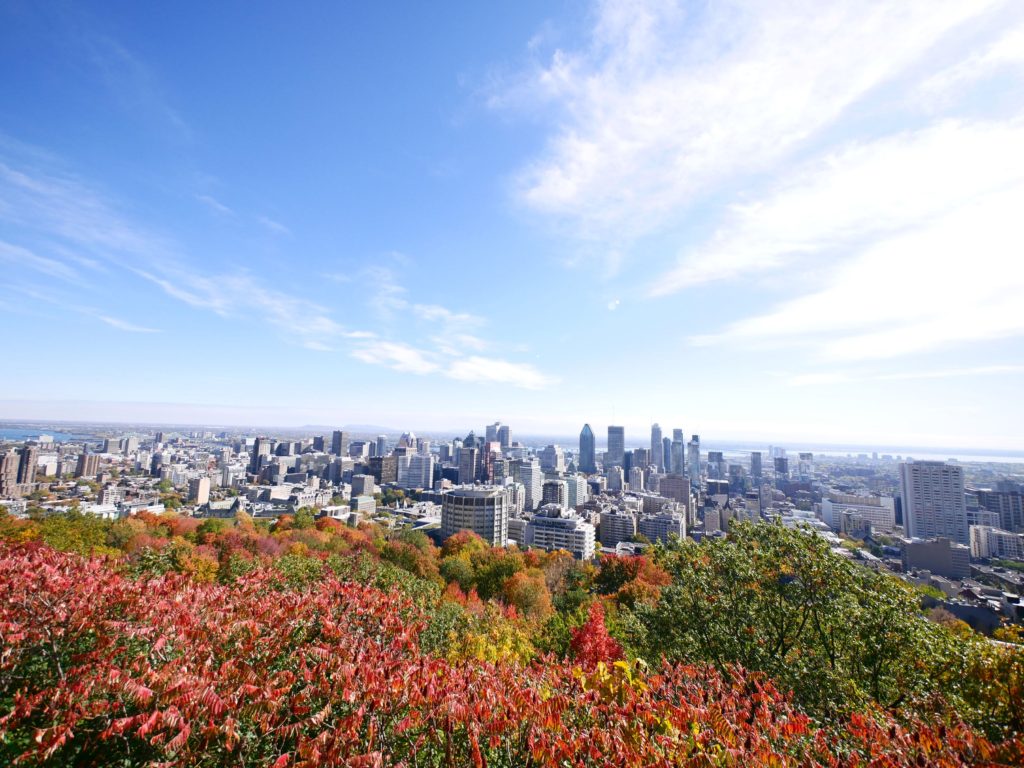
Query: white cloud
{"x": 667, "y": 102}
{"x": 215, "y": 205}
{"x": 124, "y": 325}
{"x": 859, "y": 191}
{"x": 490, "y": 369}
{"x": 1005, "y": 53}
{"x": 953, "y": 279}
{"x": 274, "y": 226}
{"x": 16, "y": 255}
{"x": 816, "y": 379}
{"x": 400, "y": 357}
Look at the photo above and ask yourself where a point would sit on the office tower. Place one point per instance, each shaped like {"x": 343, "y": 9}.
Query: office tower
{"x": 158, "y": 437}
{"x": 1008, "y": 502}
{"x": 666, "y": 454}
{"x": 111, "y": 445}
{"x": 636, "y": 480}
{"x": 9, "y": 463}
{"x": 260, "y": 455}
{"x": 716, "y": 465}
{"x": 481, "y": 510}
{"x": 505, "y": 437}
{"x": 755, "y": 466}
{"x": 384, "y": 469}
{"x": 781, "y": 468}
{"x": 88, "y": 465}
{"x": 578, "y": 490}
{"x": 416, "y": 471}
{"x": 532, "y": 477}
{"x": 491, "y": 432}
{"x": 616, "y": 453}
{"x": 363, "y": 485}
{"x": 677, "y": 462}
{"x": 27, "y": 465}
{"x": 339, "y": 443}
{"x": 588, "y": 453}
{"x": 933, "y": 500}
{"x": 616, "y": 478}
{"x": 469, "y": 464}
{"x": 199, "y": 490}
{"x": 675, "y": 487}
{"x": 555, "y": 492}
{"x": 693, "y": 460}
{"x": 319, "y": 443}
{"x": 382, "y": 445}
{"x": 552, "y": 459}
{"x": 554, "y": 528}
{"x": 657, "y": 458}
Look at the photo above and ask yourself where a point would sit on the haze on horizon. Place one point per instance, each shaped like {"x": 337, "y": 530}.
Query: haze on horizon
{"x": 788, "y": 222}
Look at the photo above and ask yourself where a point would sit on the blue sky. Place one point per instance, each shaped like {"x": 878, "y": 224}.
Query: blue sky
{"x": 769, "y": 221}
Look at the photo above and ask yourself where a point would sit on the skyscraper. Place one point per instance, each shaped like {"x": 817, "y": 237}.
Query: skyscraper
{"x": 532, "y": 478}
{"x": 657, "y": 457}
{"x": 666, "y": 454}
{"x": 755, "y": 466}
{"x": 468, "y": 465}
{"x": 588, "y": 453}
{"x": 933, "y": 500}
{"x": 491, "y": 432}
{"x": 505, "y": 437}
{"x": 27, "y": 464}
{"x": 339, "y": 443}
{"x": 260, "y": 452}
{"x": 382, "y": 445}
{"x": 693, "y": 460}
{"x": 615, "y": 455}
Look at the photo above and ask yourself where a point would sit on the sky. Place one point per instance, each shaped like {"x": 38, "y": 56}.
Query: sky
{"x": 778, "y": 221}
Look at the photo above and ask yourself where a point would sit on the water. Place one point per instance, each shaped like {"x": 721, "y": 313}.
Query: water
{"x": 20, "y": 435}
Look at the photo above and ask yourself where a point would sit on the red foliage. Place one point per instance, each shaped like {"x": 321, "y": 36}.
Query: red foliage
{"x": 101, "y": 669}
{"x": 590, "y": 643}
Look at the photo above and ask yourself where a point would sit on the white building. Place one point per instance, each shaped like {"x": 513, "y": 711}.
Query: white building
{"x": 553, "y": 528}
{"x": 933, "y": 500}
{"x": 616, "y": 525}
{"x": 880, "y": 511}
{"x": 662, "y": 525}
{"x": 987, "y": 542}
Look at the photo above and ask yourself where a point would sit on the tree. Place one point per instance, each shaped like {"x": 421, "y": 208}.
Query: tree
{"x": 590, "y": 643}
{"x": 305, "y": 517}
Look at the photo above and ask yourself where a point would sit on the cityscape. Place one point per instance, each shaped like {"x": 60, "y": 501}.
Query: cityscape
{"x": 563, "y": 384}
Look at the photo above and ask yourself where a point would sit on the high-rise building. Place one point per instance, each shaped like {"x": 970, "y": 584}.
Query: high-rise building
{"x": 505, "y": 437}
{"x": 199, "y": 490}
{"x": 339, "y": 443}
{"x": 666, "y": 455}
{"x": 693, "y": 460}
{"x": 1007, "y": 501}
{"x": 27, "y": 465}
{"x": 384, "y": 469}
{"x": 987, "y": 542}
{"x": 755, "y": 466}
{"x": 491, "y": 432}
{"x": 89, "y": 464}
{"x": 469, "y": 464}
{"x": 616, "y": 525}
{"x": 260, "y": 454}
{"x": 677, "y": 462}
{"x": 657, "y": 455}
{"x": 382, "y": 445}
{"x": 552, "y": 459}
{"x": 483, "y": 510}
{"x": 933, "y": 500}
{"x": 419, "y": 473}
{"x": 588, "y": 453}
{"x": 555, "y": 492}
{"x": 661, "y": 525}
{"x": 9, "y": 463}
{"x": 616, "y": 477}
{"x": 532, "y": 477}
{"x": 616, "y": 453}
{"x": 781, "y": 468}
{"x": 636, "y": 480}
{"x": 554, "y": 528}
{"x": 578, "y": 490}
{"x": 363, "y": 485}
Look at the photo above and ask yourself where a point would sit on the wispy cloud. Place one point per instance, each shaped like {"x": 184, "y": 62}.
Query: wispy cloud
{"x": 124, "y": 325}
{"x": 395, "y": 355}
{"x": 215, "y": 205}
{"x": 861, "y": 191}
{"x": 274, "y": 226}
{"x": 669, "y": 101}
{"x": 840, "y": 377}
{"x": 16, "y": 255}
{"x": 491, "y": 369}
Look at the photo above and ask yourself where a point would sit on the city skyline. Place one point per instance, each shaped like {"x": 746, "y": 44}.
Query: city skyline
{"x": 803, "y": 230}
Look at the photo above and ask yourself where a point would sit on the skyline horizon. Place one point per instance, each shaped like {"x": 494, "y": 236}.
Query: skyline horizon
{"x": 737, "y": 443}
